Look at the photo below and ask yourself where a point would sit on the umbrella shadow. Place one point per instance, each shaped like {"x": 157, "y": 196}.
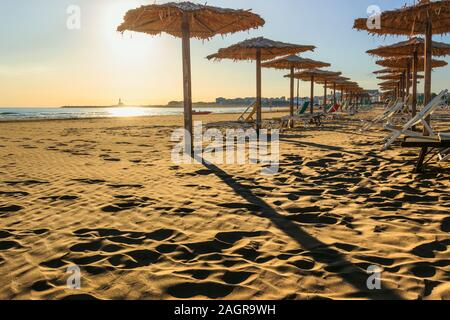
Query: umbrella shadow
{"x": 355, "y": 276}
{"x": 337, "y": 149}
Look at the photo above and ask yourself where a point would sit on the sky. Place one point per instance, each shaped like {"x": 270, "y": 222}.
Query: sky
{"x": 44, "y": 63}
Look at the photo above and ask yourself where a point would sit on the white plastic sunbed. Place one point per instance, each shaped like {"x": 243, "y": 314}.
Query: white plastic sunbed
{"x": 386, "y": 115}
{"x": 418, "y": 118}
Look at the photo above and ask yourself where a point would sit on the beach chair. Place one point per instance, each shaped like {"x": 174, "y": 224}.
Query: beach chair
{"x": 403, "y": 115}
{"x": 428, "y": 146}
{"x": 245, "y": 120}
{"x": 246, "y": 116}
{"x": 418, "y": 118}
{"x": 287, "y": 120}
{"x": 385, "y": 116}
{"x": 333, "y": 112}
{"x": 303, "y": 116}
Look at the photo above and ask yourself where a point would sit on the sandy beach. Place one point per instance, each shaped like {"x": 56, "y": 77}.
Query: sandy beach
{"x": 103, "y": 194}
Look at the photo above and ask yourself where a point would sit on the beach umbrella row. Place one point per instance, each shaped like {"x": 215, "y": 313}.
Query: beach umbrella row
{"x": 294, "y": 62}
{"x": 314, "y": 75}
{"x": 259, "y": 49}
{"x": 188, "y": 20}
{"x": 412, "y": 51}
{"x": 424, "y": 18}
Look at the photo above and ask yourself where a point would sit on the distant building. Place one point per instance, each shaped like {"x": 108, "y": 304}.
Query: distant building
{"x": 274, "y": 102}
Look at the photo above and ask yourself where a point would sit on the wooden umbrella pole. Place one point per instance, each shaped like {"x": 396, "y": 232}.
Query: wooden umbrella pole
{"x": 334, "y": 93}
{"x": 311, "y": 97}
{"x": 258, "y": 91}
{"x": 325, "y": 96}
{"x": 408, "y": 77}
{"x": 427, "y": 60}
{"x": 402, "y": 85}
{"x": 187, "y": 85}
{"x": 414, "y": 84}
{"x": 291, "y": 107}
{"x": 298, "y": 93}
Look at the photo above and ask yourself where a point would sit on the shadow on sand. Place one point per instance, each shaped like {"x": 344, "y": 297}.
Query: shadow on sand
{"x": 320, "y": 251}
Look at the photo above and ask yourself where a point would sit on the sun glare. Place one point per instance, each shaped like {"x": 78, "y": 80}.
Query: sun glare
{"x": 126, "y": 112}
{"x": 129, "y": 45}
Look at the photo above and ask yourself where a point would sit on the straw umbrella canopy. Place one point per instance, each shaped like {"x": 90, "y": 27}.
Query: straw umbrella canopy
{"x": 292, "y": 63}
{"x": 259, "y": 49}
{"x": 396, "y": 76}
{"x": 425, "y": 18}
{"x": 332, "y": 81}
{"x": 402, "y": 63}
{"x": 386, "y": 70}
{"x": 413, "y": 48}
{"x": 335, "y": 81}
{"x": 188, "y": 20}
{"x": 314, "y": 75}
{"x": 409, "y": 47}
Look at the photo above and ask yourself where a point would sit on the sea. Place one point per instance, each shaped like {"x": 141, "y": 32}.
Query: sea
{"x": 32, "y": 113}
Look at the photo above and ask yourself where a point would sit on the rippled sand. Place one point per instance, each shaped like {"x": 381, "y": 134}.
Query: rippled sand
{"x": 103, "y": 194}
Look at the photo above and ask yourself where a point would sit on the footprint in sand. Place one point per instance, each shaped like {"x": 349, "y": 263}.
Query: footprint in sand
{"x": 445, "y": 224}
{"x": 90, "y": 181}
{"x": 60, "y": 198}
{"x": 14, "y": 194}
{"x": 26, "y": 182}
{"x": 131, "y": 203}
{"x": 9, "y": 208}
{"x": 426, "y": 250}
{"x": 236, "y": 277}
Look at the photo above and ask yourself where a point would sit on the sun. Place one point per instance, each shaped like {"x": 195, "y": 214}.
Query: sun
{"x": 128, "y": 45}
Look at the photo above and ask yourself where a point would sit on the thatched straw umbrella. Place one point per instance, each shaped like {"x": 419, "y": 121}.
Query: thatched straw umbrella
{"x": 188, "y": 20}
{"x": 425, "y": 18}
{"x": 294, "y": 62}
{"x": 340, "y": 83}
{"x": 314, "y": 75}
{"x": 404, "y": 62}
{"x": 412, "y": 48}
{"x": 334, "y": 82}
{"x": 386, "y": 70}
{"x": 397, "y": 76}
{"x": 259, "y": 49}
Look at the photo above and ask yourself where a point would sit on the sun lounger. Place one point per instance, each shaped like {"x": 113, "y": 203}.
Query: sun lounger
{"x": 303, "y": 116}
{"x": 431, "y": 146}
{"x": 248, "y": 114}
{"x": 418, "y": 118}
{"x": 385, "y": 116}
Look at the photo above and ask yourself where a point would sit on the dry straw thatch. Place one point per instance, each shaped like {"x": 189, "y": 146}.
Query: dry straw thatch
{"x": 408, "y": 47}
{"x": 386, "y": 70}
{"x": 270, "y": 49}
{"x": 402, "y": 63}
{"x": 390, "y": 82}
{"x": 319, "y": 75}
{"x": 395, "y": 76}
{"x": 294, "y": 61}
{"x": 411, "y": 20}
{"x": 204, "y": 21}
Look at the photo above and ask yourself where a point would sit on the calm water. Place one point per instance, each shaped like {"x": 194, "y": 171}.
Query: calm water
{"x": 85, "y": 113}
